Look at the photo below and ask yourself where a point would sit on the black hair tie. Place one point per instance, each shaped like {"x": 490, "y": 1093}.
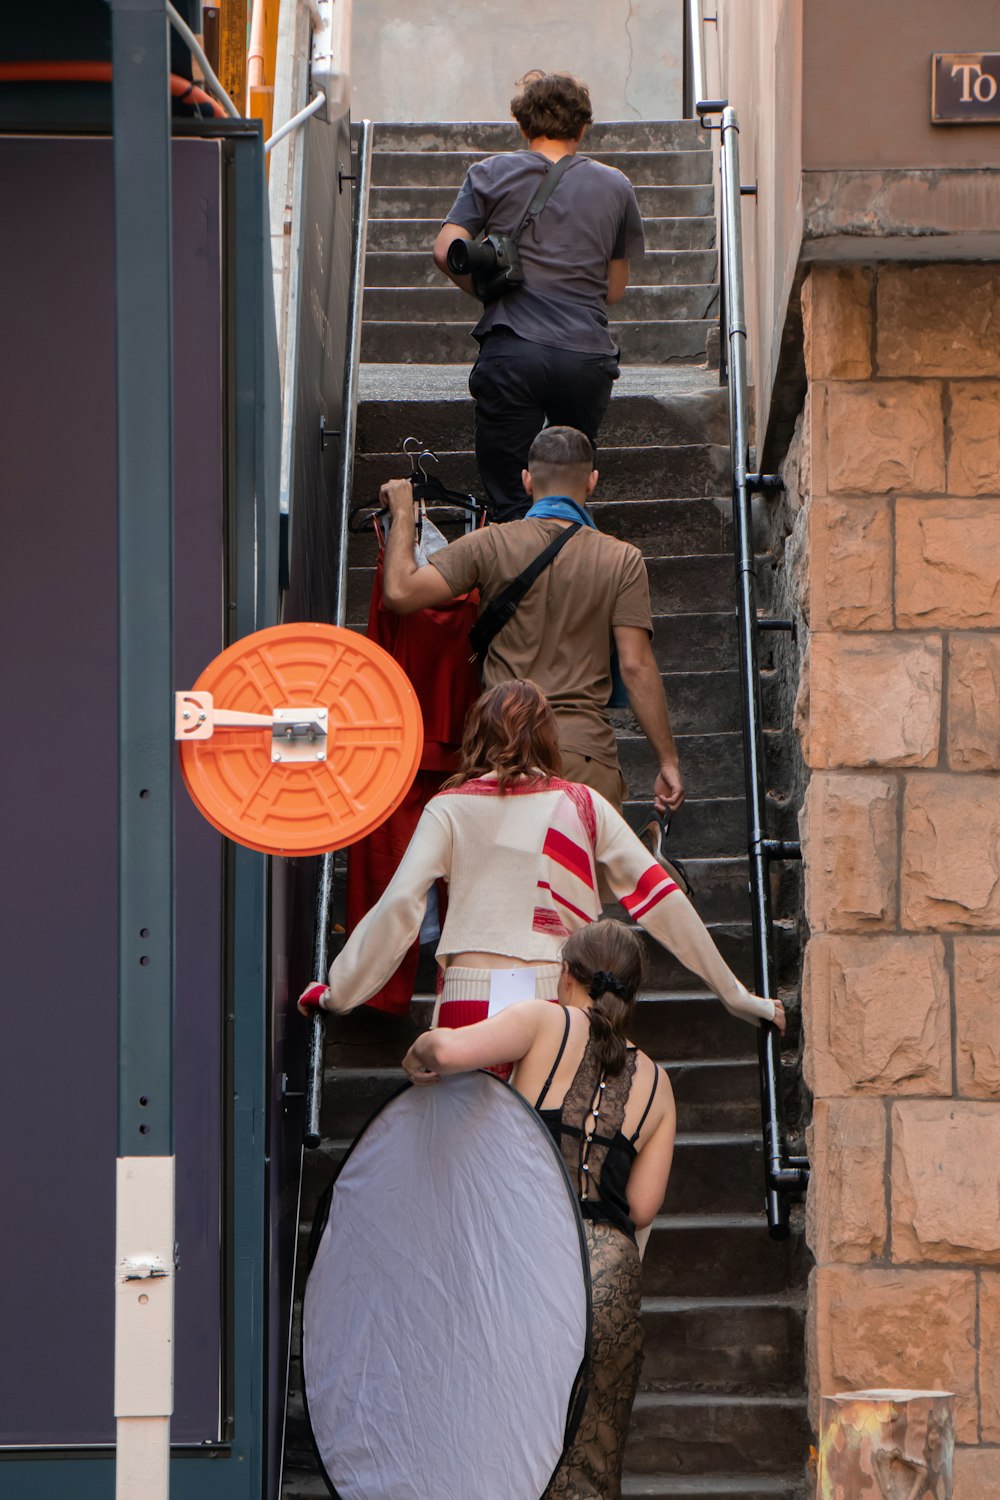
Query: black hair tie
{"x": 604, "y": 981}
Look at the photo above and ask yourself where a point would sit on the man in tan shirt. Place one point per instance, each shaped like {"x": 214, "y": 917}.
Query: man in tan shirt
{"x": 593, "y": 596}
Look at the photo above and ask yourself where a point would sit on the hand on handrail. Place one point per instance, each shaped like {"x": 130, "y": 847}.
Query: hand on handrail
{"x": 313, "y": 998}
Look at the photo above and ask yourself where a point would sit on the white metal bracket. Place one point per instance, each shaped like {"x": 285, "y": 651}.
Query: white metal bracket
{"x": 299, "y": 733}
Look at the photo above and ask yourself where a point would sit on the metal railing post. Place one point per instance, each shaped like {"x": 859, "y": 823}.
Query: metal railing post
{"x": 342, "y": 504}
{"x": 781, "y": 1172}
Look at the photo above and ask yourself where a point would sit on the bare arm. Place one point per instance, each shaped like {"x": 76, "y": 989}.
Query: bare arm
{"x": 405, "y": 587}
{"x": 502, "y": 1038}
{"x": 449, "y": 233}
{"x": 617, "y": 280}
{"x": 641, "y": 677}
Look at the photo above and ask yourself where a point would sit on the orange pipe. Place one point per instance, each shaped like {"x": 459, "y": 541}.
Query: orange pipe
{"x": 96, "y": 72}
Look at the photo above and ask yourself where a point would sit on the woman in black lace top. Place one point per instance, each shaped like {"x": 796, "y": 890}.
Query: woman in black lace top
{"x": 610, "y": 1110}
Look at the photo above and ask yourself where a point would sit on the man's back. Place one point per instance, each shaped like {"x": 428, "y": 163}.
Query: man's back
{"x": 561, "y": 636}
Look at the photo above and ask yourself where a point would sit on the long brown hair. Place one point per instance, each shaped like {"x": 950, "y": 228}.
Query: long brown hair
{"x": 607, "y": 958}
{"x": 510, "y": 730}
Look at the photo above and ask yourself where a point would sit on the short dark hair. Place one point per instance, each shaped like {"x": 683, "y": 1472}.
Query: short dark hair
{"x": 557, "y": 447}
{"x": 555, "y": 105}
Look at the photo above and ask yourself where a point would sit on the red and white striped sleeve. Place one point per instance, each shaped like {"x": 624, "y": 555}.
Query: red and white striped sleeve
{"x": 653, "y": 900}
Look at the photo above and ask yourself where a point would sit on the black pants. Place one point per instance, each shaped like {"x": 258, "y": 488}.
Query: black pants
{"x": 518, "y": 386}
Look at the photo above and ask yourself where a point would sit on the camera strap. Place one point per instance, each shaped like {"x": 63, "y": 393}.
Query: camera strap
{"x": 503, "y": 608}
{"x": 546, "y": 188}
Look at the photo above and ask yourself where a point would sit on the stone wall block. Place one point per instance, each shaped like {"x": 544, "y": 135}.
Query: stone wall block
{"x": 874, "y": 700}
{"x": 837, "y": 323}
{"x": 950, "y": 869}
{"x": 974, "y": 703}
{"x": 974, "y": 456}
{"x": 946, "y": 1181}
{"x": 850, "y": 563}
{"x": 872, "y": 1328}
{"x": 876, "y": 1014}
{"x": 848, "y": 829}
{"x": 885, "y": 435}
{"x": 946, "y": 564}
{"x": 989, "y": 1356}
{"x": 977, "y": 1474}
{"x": 938, "y": 320}
{"x": 845, "y": 1207}
{"x": 977, "y": 1017}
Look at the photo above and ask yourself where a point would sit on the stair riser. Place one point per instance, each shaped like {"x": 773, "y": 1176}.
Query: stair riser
{"x": 710, "y": 1177}
{"x": 715, "y": 1438}
{"x": 688, "y": 233}
{"x": 716, "y": 1096}
{"x": 659, "y": 268}
{"x": 504, "y": 135}
{"x": 678, "y": 342}
{"x": 750, "y": 1350}
{"x": 448, "y": 168}
{"x": 631, "y": 421}
{"x": 446, "y": 304}
{"x": 434, "y": 203}
{"x": 678, "y": 528}
{"x": 626, "y": 474}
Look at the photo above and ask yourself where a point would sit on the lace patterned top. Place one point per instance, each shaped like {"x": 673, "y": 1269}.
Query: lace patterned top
{"x": 587, "y": 1128}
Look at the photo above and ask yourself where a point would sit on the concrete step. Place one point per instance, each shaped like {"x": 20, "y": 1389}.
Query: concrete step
{"x": 701, "y": 1487}
{"x": 715, "y": 1172}
{"x": 722, "y": 1255}
{"x": 656, "y": 268}
{"x": 673, "y": 341}
{"x": 631, "y": 422}
{"x": 681, "y": 585}
{"x": 715, "y": 1094}
{"x": 751, "y": 1345}
{"x": 682, "y": 472}
{"x": 446, "y": 304}
{"x": 448, "y": 168}
{"x": 503, "y": 135}
{"x": 403, "y": 202}
{"x": 682, "y": 233}
{"x": 712, "y": 765}
{"x": 673, "y": 528}
{"x": 703, "y": 1434}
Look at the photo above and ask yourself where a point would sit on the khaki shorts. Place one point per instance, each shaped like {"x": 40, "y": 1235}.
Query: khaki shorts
{"x": 607, "y": 780}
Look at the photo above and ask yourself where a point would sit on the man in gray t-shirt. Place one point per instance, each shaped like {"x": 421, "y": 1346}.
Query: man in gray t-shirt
{"x": 546, "y": 353}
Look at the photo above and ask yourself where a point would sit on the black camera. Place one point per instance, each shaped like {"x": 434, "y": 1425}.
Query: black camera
{"x": 493, "y": 263}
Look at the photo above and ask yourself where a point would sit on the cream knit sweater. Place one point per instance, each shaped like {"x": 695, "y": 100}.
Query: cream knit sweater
{"x": 522, "y": 869}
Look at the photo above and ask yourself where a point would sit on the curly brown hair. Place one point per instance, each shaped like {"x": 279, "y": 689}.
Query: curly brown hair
{"x": 510, "y": 730}
{"x": 555, "y": 105}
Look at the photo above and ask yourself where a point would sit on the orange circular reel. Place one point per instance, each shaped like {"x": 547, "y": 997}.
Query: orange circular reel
{"x": 299, "y": 739}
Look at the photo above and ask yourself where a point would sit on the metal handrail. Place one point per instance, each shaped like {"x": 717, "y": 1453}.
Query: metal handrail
{"x": 696, "y": 39}
{"x": 342, "y": 503}
{"x": 783, "y": 1173}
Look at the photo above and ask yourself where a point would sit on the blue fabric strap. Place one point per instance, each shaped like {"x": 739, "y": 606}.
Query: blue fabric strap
{"x": 560, "y": 508}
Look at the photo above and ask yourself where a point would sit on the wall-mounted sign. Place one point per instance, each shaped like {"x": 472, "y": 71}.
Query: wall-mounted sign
{"x": 965, "y": 88}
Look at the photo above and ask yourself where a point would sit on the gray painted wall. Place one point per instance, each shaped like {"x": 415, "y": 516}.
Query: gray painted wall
{"x": 449, "y": 60}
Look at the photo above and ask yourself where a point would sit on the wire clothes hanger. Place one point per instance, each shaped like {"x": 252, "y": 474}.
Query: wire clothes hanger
{"x": 429, "y": 492}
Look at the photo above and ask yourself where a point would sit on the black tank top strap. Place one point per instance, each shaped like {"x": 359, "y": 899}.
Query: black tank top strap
{"x": 559, "y": 1057}
{"x": 649, "y": 1104}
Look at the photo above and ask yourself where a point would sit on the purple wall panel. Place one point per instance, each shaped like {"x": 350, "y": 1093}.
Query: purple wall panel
{"x": 58, "y": 949}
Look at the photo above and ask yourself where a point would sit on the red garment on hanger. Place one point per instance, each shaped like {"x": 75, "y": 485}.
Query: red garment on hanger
{"x": 432, "y": 647}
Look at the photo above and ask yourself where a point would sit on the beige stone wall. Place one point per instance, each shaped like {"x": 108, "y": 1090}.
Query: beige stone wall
{"x": 897, "y": 551}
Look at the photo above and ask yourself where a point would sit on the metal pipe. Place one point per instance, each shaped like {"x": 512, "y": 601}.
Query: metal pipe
{"x": 780, "y": 1176}
{"x": 296, "y": 120}
{"x": 144, "y": 1199}
{"x": 342, "y": 505}
{"x": 182, "y": 28}
{"x": 696, "y": 33}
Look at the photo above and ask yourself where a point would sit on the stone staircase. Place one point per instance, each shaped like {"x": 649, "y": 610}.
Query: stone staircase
{"x": 721, "y": 1410}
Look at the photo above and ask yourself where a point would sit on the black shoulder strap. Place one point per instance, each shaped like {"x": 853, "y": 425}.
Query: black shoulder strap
{"x": 649, "y": 1104}
{"x": 559, "y": 1056}
{"x": 546, "y": 188}
{"x": 501, "y": 609}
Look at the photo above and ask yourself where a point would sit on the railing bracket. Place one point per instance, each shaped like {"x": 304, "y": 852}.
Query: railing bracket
{"x": 770, "y": 622}
{"x": 765, "y": 482}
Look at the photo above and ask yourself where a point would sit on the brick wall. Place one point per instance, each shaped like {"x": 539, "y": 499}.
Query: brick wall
{"x": 896, "y": 564}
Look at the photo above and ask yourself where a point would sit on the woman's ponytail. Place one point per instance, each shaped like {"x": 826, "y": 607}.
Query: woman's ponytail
{"x": 607, "y": 959}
